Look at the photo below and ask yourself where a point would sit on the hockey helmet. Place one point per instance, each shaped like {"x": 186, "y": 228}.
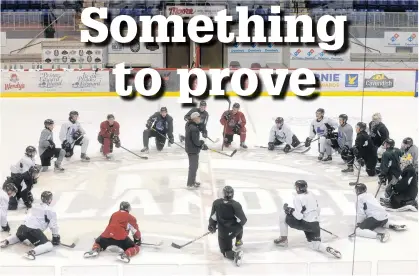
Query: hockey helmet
{"x": 389, "y": 143}
{"x": 30, "y": 151}
{"x": 48, "y": 122}
{"x": 10, "y": 189}
{"x": 360, "y": 188}
{"x": 408, "y": 141}
{"x": 236, "y": 105}
{"x": 362, "y": 126}
{"x": 228, "y": 192}
{"x": 46, "y": 197}
{"x": 203, "y": 103}
{"x": 73, "y": 113}
{"x": 110, "y": 116}
{"x": 301, "y": 186}
{"x": 344, "y": 119}
{"x": 125, "y": 206}
{"x": 279, "y": 121}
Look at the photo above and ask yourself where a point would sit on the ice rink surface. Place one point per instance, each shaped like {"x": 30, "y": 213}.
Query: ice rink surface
{"x": 87, "y": 193}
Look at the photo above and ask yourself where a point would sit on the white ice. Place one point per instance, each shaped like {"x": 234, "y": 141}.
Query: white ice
{"x": 86, "y": 194}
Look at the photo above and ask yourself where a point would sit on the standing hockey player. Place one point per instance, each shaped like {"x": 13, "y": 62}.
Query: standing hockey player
{"x": 109, "y": 135}
{"x": 343, "y": 139}
{"x": 158, "y": 125}
{"x": 193, "y": 147}
{"x": 9, "y": 190}
{"x": 41, "y": 217}
{"x": 304, "y": 217}
{"x": 364, "y": 150}
{"x": 410, "y": 149}
{"x": 390, "y": 164}
{"x": 203, "y": 114}
{"x": 371, "y": 215}
{"x": 234, "y": 122}
{"x": 280, "y": 133}
{"x": 227, "y": 214}
{"x": 321, "y": 126}
{"x": 116, "y": 234}
{"x": 47, "y": 149}
{"x": 403, "y": 194}
{"x": 72, "y": 134}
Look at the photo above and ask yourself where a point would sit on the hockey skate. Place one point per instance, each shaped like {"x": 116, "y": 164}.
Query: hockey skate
{"x": 396, "y": 227}
{"x": 327, "y": 158}
{"x": 334, "y": 252}
{"x": 6, "y": 228}
{"x": 349, "y": 169}
{"x": 30, "y": 255}
{"x": 58, "y": 168}
{"x": 4, "y": 244}
{"x": 91, "y": 254}
{"x": 124, "y": 258}
{"x": 320, "y": 158}
{"x": 281, "y": 241}
{"x": 243, "y": 145}
{"x": 145, "y": 150}
{"x": 238, "y": 257}
{"x": 383, "y": 237}
{"x": 84, "y": 158}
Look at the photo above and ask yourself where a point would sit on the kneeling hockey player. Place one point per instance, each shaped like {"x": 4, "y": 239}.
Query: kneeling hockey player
{"x": 304, "y": 217}
{"x": 158, "y": 125}
{"x": 371, "y": 215}
{"x": 390, "y": 164}
{"x": 41, "y": 217}
{"x": 116, "y": 234}
{"x": 72, "y": 134}
{"x": 409, "y": 148}
{"x": 228, "y": 215}
{"x": 282, "y": 134}
{"x": 9, "y": 190}
{"x": 47, "y": 149}
{"x": 340, "y": 141}
{"x": 234, "y": 122}
{"x": 108, "y": 136}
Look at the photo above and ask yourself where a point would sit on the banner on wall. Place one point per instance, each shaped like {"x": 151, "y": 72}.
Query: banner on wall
{"x": 72, "y": 56}
{"x": 115, "y": 47}
{"x": 55, "y": 81}
{"x": 307, "y": 53}
{"x": 401, "y": 39}
{"x": 189, "y": 11}
{"x": 239, "y": 48}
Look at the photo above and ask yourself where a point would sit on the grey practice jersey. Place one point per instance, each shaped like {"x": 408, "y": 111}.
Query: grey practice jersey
{"x": 283, "y": 134}
{"x": 306, "y": 207}
{"x": 46, "y": 135}
{"x": 368, "y": 207}
{"x": 42, "y": 216}
{"x": 319, "y": 128}
{"x": 68, "y": 129}
{"x": 345, "y": 135}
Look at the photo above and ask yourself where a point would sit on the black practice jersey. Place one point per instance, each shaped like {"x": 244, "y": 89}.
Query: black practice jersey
{"x": 227, "y": 214}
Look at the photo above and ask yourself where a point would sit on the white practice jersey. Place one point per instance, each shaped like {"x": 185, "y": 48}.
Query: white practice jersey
{"x": 306, "y": 207}
{"x": 68, "y": 129}
{"x": 319, "y": 128}
{"x": 42, "y": 216}
{"x": 368, "y": 207}
{"x": 4, "y": 202}
{"x": 23, "y": 165}
{"x": 283, "y": 134}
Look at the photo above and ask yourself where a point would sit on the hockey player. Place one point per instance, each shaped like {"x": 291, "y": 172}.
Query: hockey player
{"x": 72, "y": 134}
{"x": 378, "y": 131}
{"x": 9, "y": 190}
{"x": 321, "y": 126}
{"x": 410, "y": 149}
{"x": 342, "y": 140}
{"x": 304, "y": 217}
{"x": 116, "y": 234}
{"x": 203, "y": 114}
{"x": 234, "y": 122}
{"x": 371, "y": 215}
{"x": 364, "y": 150}
{"x": 390, "y": 164}
{"x": 280, "y": 133}
{"x": 405, "y": 191}
{"x": 108, "y": 136}
{"x": 158, "y": 125}
{"x": 40, "y": 218}
{"x": 227, "y": 214}
{"x": 47, "y": 149}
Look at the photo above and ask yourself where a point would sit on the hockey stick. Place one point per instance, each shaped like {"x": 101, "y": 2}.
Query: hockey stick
{"x": 302, "y": 145}
{"x": 142, "y": 157}
{"x": 378, "y": 190}
{"x": 69, "y": 245}
{"x": 329, "y": 232}
{"x": 214, "y": 141}
{"x": 222, "y": 153}
{"x": 179, "y": 145}
{"x": 225, "y": 126}
{"x": 160, "y": 243}
{"x": 357, "y": 179}
{"x": 188, "y": 243}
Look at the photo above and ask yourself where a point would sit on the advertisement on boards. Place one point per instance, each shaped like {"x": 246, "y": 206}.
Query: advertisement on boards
{"x": 307, "y": 53}
{"x": 401, "y": 39}
{"x": 189, "y": 11}
{"x": 266, "y": 48}
{"x": 115, "y": 47}
{"x": 72, "y": 56}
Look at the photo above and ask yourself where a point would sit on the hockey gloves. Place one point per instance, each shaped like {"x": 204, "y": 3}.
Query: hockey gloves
{"x": 205, "y": 134}
{"x": 361, "y": 162}
{"x": 271, "y": 146}
{"x": 116, "y": 141}
{"x": 77, "y": 135}
{"x": 288, "y": 210}
{"x": 149, "y": 124}
{"x": 51, "y": 144}
{"x": 203, "y": 145}
{"x": 308, "y": 142}
{"x": 236, "y": 129}
{"x": 227, "y": 116}
{"x": 56, "y": 240}
{"x": 212, "y": 229}
{"x": 137, "y": 241}
{"x": 287, "y": 148}
{"x": 382, "y": 179}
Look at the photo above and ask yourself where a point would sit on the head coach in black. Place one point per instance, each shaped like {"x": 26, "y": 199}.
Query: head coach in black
{"x": 193, "y": 146}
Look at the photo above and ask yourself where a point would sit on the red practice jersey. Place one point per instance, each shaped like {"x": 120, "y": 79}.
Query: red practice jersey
{"x": 106, "y": 129}
{"x": 120, "y": 224}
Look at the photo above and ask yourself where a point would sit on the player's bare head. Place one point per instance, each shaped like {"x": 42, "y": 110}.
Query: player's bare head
{"x": 301, "y": 186}
{"x": 376, "y": 117}
{"x": 236, "y": 108}
{"x": 125, "y": 206}
{"x": 228, "y": 192}
{"x": 319, "y": 114}
{"x": 73, "y": 116}
{"x": 360, "y": 188}
{"x": 111, "y": 119}
{"x": 163, "y": 111}
{"x": 196, "y": 117}
{"x": 360, "y": 127}
{"x": 49, "y": 124}
{"x": 343, "y": 118}
{"x": 203, "y": 105}
{"x": 46, "y": 197}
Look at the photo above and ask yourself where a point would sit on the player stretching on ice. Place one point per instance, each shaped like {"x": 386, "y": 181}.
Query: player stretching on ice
{"x": 109, "y": 135}
{"x": 41, "y": 217}
{"x": 230, "y": 218}
{"x": 116, "y": 233}
{"x": 371, "y": 215}
{"x": 280, "y": 134}
{"x": 9, "y": 191}
{"x": 304, "y": 217}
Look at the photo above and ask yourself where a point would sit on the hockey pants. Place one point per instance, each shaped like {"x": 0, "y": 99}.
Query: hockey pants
{"x": 370, "y": 162}
{"x": 107, "y": 145}
{"x": 83, "y": 142}
{"x": 295, "y": 142}
{"x": 367, "y": 227}
{"x": 48, "y": 154}
{"x": 228, "y": 139}
{"x": 329, "y": 145}
{"x": 129, "y": 247}
{"x": 225, "y": 240}
{"x": 35, "y": 236}
{"x": 160, "y": 141}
